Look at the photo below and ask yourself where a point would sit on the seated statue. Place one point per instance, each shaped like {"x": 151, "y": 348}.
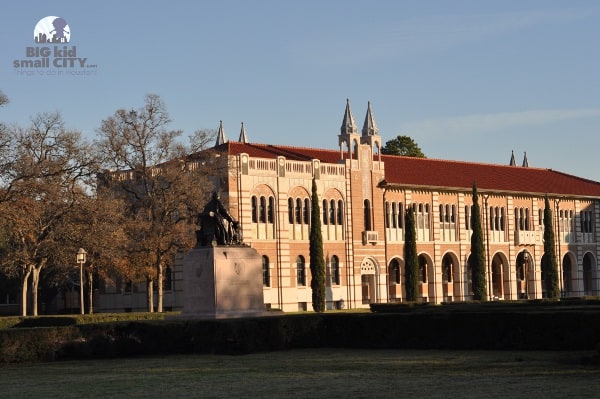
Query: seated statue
{"x": 217, "y": 226}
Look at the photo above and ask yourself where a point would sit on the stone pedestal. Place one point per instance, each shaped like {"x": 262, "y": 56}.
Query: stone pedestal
{"x": 222, "y": 281}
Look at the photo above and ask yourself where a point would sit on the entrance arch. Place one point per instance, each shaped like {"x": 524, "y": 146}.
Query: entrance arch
{"x": 396, "y": 280}
{"x": 450, "y": 277}
{"x": 369, "y": 273}
{"x": 426, "y": 278}
{"x": 499, "y": 269}
{"x": 589, "y": 275}
{"x": 525, "y": 276}
{"x": 567, "y": 275}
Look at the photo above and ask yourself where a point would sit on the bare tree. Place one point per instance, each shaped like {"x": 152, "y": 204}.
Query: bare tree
{"x": 43, "y": 179}
{"x": 163, "y": 187}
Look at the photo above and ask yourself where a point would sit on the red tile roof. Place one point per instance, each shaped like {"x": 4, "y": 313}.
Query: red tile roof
{"x": 441, "y": 174}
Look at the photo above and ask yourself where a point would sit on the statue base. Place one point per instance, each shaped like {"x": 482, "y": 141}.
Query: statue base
{"x": 222, "y": 281}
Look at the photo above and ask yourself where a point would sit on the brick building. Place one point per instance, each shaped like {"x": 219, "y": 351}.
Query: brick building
{"x": 363, "y": 196}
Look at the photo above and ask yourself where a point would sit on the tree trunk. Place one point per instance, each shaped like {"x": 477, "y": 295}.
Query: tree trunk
{"x": 34, "y": 290}
{"x": 150, "y": 293}
{"x": 159, "y": 284}
{"x": 24, "y": 291}
{"x": 36, "y": 270}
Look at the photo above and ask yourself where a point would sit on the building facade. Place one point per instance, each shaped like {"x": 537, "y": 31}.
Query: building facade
{"x": 363, "y": 196}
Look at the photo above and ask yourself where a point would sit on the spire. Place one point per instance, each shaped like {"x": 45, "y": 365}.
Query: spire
{"x": 243, "y": 138}
{"x": 348, "y": 124}
{"x": 525, "y": 162}
{"x": 512, "y": 159}
{"x": 370, "y": 126}
{"x": 221, "y": 138}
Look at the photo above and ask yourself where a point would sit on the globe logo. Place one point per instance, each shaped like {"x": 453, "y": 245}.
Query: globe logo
{"x": 52, "y": 30}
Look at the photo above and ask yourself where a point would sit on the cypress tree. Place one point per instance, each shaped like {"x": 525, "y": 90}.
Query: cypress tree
{"x": 317, "y": 261}
{"x": 550, "y": 265}
{"x": 477, "y": 251}
{"x": 411, "y": 262}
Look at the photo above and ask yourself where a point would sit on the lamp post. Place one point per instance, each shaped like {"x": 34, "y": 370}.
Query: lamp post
{"x": 81, "y": 260}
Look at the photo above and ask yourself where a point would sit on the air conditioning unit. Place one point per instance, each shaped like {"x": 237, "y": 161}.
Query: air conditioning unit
{"x": 370, "y": 237}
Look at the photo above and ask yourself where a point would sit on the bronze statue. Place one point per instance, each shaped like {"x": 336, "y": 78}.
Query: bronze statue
{"x": 217, "y": 226}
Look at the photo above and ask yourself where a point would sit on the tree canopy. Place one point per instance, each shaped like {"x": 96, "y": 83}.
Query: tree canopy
{"x": 402, "y": 145}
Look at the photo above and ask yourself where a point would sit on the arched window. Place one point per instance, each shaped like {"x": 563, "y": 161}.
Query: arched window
{"x": 453, "y": 216}
{"x": 306, "y": 211}
{"x": 387, "y": 214}
{"x": 423, "y": 269}
{"x": 332, "y": 212}
{"x": 325, "y": 212}
{"x": 298, "y": 211}
{"x": 447, "y": 215}
{"x": 447, "y": 269}
{"x": 266, "y": 271}
{"x": 340, "y": 212}
{"x": 497, "y": 219}
{"x": 291, "y": 210}
{"x": 254, "y": 209}
{"x": 400, "y": 215}
{"x": 335, "y": 270}
{"x": 300, "y": 271}
{"x": 441, "y": 213}
{"x": 394, "y": 215}
{"x": 271, "y": 210}
{"x": 395, "y": 271}
{"x": 367, "y": 215}
{"x": 502, "y": 219}
{"x": 262, "y": 210}
{"x": 467, "y": 217}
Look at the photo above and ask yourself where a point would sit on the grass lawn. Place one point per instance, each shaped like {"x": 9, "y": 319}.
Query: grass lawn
{"x": 313, "y": 373}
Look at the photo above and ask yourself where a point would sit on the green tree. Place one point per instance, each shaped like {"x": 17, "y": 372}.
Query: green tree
{"x": 402, "y": 145}
{"x": 411, "y": 261}
{"x": 549, "y": 264}
{"x": 317, "y": 261}
{"x": 477, "y": 258}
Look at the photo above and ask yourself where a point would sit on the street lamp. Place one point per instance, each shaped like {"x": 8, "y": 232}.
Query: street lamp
{"x": 81, "y": 260}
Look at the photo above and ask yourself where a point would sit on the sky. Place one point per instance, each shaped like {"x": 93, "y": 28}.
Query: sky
{"x": 467, "y": 80}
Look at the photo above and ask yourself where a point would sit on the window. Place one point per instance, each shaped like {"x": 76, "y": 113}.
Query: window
{"x": 422, "y": 269}
{"x": 522, "y": 220}
{"x": 367, "y": 215}
{"x": 266, "y": 272}
{"x": 340, "y": 212}
{"x": 301, "y": 271}
{"x": 306, "y": 211}
{"x": 168, "y": 279}
{"x": 586, "y": 221}
{"x": 271, "y": 210}
{"x": 262, "y": 210}
{"x": 447, "y": 269}
{"x": 387, "y": 214}
{"x": 325, "y": 212}
{"x": 394, "y": 215}
{"x": 332, "y": 212}
{"x": 291, "y": 210}
{"x": 254, "y": 209}
{"x": 298, "y": 211}
{"x": 395, "y": 271}
{"x": 468, "y": 221}
{"x": 335, "y": 270}
{"x": 400, "y": 215}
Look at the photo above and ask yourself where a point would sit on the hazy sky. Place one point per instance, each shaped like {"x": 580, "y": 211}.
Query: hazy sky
{"x": 467, "y": 80}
